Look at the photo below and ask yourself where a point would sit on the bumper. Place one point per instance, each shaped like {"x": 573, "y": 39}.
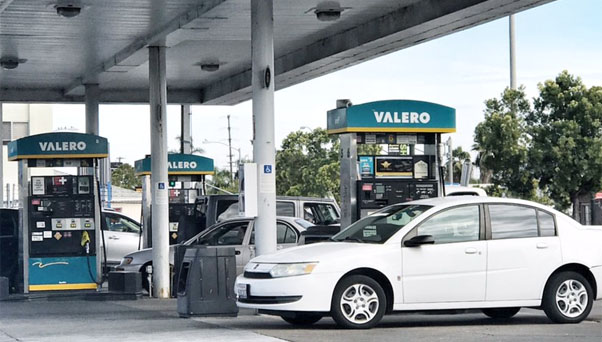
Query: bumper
{"x": 128, "y": 268}
{"x": 311, "y": 292}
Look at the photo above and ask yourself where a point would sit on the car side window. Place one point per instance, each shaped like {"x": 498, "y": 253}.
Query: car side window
{"x": 547, "y": 225}
{"x": 285, "y": 208}
{"x": 285, "y": 234}
{"x": 458, "y": 224}
{"x": 228, "y": 234}
{"x": 512, "y": 221}
{"x": 320, "y": 213}
{"x": 116, "y": 223}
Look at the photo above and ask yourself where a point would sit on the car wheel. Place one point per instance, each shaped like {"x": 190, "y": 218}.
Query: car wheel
{"x": 358, "y": 302}
{"x": 501, "y": 313}
{"x": 302, "y": 319}
{"x": 568, "y": 298}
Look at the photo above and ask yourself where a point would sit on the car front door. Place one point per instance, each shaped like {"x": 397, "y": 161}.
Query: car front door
{"x": 453, "y": 269}
{"x": 523, "y": 251}
{"x": 121, "y": 236}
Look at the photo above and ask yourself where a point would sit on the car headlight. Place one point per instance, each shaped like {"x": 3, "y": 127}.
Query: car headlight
{"x": 127, "y": 260}
{"x": 288, "y": 270}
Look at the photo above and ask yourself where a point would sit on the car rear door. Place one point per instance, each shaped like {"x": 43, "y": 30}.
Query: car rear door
{"x": 523, "y": 251}
{"x": 453, "y": 268}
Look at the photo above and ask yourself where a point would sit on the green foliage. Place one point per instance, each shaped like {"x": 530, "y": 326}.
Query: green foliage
{"x": 566, "y": 130}
{"x": 308, "y": 164}
{"x": 458, "y": 157}
{"x": 502, "y": 143}
{"x": 370, "y": 150}
{"x": 550, "y": 153}
{"x": 124, "y": 177}
{"x": 222, "y": 179}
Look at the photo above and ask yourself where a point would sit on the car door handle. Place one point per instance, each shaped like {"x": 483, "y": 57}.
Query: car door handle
{"x": 278, "y": 247}
{"x": 237, "y": 252}
{"x": 542, "y": 245}
{"x": 470, "y": 251}
{"x": 113, "y": 238}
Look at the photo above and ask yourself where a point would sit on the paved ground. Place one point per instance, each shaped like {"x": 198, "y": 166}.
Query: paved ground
{"x": 152, "y": 320}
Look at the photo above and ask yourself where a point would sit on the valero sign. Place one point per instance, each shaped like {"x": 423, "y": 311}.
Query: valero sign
{"x": 58, "y": 145}
{"x": 179, "y": 164}
{"x": 393, "y": 116}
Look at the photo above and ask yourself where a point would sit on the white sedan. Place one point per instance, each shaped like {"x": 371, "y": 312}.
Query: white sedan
{"x": 493, "y": 254}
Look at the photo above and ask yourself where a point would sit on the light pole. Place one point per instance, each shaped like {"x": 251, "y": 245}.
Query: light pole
{"x": 230, "y": 155}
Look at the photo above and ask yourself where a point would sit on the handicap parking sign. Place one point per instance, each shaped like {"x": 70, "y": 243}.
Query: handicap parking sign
{"x": 267, "y": 168}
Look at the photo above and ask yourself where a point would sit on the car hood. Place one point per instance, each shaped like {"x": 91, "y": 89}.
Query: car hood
{"x": 317, "y": 252}
{"x": 147, "y": 253}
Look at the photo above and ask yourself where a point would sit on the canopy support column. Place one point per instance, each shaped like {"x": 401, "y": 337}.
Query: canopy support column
{"x": 158, "y": 134}
{"x": 264, "y": 150}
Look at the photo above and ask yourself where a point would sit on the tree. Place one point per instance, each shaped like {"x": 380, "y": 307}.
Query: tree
{"x": 566, "y": 130}
{"x": 458, "y": 158}
{"x": 221, "y": 182}
{"x": 502, "y": 143}
{"x": 308, "y": 164}
{"x": 124, "y": 176}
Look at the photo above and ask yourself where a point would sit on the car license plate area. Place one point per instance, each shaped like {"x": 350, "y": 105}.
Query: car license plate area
{"x": 243, "y": 290}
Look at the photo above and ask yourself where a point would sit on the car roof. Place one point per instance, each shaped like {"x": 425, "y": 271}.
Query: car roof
{"x": 458, "y": 200}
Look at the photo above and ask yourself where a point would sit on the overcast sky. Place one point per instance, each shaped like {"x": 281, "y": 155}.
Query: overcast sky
{"x": 461, "y": 70}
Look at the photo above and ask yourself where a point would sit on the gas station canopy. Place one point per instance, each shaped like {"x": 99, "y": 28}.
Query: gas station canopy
{"x": 47, "y": 57}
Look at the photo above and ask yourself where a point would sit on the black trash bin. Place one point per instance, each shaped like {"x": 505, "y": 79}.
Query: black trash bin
{"x": 206, "y": 282}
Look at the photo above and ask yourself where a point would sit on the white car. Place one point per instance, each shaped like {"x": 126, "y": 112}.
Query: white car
{"x": 465, "y": 252}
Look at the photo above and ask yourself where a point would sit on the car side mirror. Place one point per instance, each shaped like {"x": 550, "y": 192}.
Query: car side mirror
{"x": 419, "y": 240}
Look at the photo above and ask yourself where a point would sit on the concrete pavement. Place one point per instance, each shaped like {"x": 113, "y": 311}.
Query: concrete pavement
{"x": 152, "y": 320}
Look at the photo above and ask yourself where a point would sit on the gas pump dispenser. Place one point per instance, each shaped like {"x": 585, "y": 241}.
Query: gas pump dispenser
{"x": 186, "y": 174}
{"x": 410, "y": 134}
{"x": 60, "y": 221}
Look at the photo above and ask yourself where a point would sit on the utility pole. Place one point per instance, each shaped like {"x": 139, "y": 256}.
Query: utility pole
{"x": 512, "y": 54}
{"x": 230, "y": 151}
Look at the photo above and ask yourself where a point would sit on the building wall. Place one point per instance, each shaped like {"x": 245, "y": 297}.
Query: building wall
{"x": 38, "y": 119}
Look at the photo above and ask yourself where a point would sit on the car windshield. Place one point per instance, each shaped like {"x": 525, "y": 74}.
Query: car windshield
{"x": 380, "y": 226}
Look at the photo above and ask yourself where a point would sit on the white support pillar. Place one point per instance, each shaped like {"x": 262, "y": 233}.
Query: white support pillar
{"x": 264, "y": 150}
{"x": 2, "y": 160}
{"x": 160, "y": 214}
{"x": 185, "y": 138}
{"x": 92, "y": 95}
{"x": 512, "y": 52}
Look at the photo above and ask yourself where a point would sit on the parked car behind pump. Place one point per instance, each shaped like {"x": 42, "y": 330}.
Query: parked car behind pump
{"x": 319, "y": 211}
{"x": 238, "y": 233}
{"x": 465, "y": 252}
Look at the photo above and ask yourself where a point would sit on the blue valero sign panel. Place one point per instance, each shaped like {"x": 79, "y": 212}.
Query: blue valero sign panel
{"x": 58, "y": 145}
{"x": 179, "y": 164}
{"x": 393, "y": 116}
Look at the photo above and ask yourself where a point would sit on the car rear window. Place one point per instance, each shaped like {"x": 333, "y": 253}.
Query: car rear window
{"x": 512, "y": 221}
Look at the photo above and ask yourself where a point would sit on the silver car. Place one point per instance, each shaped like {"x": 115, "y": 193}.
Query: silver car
{"x": 238, "y": 233}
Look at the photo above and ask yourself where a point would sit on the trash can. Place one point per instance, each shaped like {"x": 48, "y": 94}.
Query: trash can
{"x": 206, "y": 282}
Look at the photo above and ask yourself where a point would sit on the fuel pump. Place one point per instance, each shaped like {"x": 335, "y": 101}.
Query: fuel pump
{"x": 408, "y": 167}
{"x": 186, "y": 174}
{"x": 60, "y": 220}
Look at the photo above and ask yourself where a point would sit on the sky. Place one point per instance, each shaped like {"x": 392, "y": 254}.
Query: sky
{"x": 461, "y": 70}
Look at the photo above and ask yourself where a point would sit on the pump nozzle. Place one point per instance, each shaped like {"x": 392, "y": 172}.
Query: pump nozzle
{"x": 86, "y": 241}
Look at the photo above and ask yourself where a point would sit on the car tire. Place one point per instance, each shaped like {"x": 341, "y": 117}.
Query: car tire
{"x": 568, "y": 298}
{"x": 358, "y": 302}
{"x": 302, "y": 318}
{"x": 500, "y": 313}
